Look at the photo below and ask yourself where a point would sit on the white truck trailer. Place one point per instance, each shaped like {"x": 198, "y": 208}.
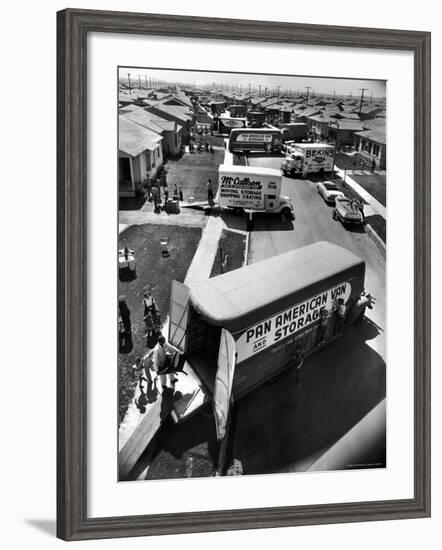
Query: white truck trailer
{"x": 252, "y": 189}
{"x": 308, "y": 158}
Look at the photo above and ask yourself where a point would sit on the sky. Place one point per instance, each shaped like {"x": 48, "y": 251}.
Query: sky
{"x": 318, "y": 85}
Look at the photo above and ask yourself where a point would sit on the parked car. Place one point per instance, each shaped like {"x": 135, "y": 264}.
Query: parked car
{"x": 329, "y": 191}
{"x": 347, "y": 211}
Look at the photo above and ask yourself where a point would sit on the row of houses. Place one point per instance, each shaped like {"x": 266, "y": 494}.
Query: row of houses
{"x": 347, "y": 122}
{"x": 344, "y": 122}
{"x": 152, "y": 126}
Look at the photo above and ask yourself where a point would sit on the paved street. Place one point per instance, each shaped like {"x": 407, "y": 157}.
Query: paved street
{"x": 289, "y": 426}
{"x": 314, "y": 222}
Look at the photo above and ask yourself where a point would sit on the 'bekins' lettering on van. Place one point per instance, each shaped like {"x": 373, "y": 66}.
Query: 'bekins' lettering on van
{"x": 288, "y": 322}
{"x": 319, "y": 153}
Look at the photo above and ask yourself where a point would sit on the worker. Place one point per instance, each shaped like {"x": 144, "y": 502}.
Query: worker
{"x": 341, "y": 311}
{"x": 139, "y": 371}
{"x": 210, "y": 193}
{"x": 149, "y": 303}
{"x": 166, "y": 193}
{"x": 364, "y": 301}
{"x": 155, "y": 192}
{"x": 124, "y": 326}
{"x": 162, "y": 359}
{"x": 322, "y": 327}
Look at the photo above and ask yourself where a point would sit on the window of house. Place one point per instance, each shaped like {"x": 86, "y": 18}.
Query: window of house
{"x": 375, "y": 150}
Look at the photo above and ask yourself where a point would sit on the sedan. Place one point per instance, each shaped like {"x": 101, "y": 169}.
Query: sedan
{"x": 329, "y": 191}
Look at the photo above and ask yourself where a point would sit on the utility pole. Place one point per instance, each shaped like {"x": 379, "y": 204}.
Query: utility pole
{"x": 139, "y": 82}
{"x": 334, "y": 94}
{"x": 260, "y": 90}
{"x": 249, "y": 88}
{"x": 130, "y": 86}
{"x": 362, "y": 98}
{"x": 145, "y": 80}
{"x": 277, "y": 91}
{"x": 308, "y": 88}
{"x": 265, "y": 92}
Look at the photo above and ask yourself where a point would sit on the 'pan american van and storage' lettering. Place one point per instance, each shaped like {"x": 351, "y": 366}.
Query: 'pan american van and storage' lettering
{"x": 288, "y": 322}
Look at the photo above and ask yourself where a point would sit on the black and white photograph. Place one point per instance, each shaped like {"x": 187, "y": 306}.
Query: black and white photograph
{"x": 251, "y": 307}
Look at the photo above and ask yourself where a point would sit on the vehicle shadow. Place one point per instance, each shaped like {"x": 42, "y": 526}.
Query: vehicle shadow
{"x": 285, "y": 424}
{"x": 234, "y": 221}
{"x": 270, "y": 222}
{"x": 195, "y": 437}
{"x": 355, "y": 228}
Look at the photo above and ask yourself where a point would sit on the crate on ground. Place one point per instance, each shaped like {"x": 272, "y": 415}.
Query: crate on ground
{"x": 172, "y": 206}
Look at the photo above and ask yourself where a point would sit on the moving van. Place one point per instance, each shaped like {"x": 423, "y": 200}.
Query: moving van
{"x": 253, "y": 189}
{"x": 246, "y": 325}
{"x": 309, "y": 158}
{"x": 255, "y": 140}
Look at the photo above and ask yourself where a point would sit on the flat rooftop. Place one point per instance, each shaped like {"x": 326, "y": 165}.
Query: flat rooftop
{"x": 242, "y": 293}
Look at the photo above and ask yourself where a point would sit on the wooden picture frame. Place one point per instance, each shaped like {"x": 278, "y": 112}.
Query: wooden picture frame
{"x": 73, "y": 27}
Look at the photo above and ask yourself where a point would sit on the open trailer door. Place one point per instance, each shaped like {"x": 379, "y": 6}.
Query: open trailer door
{"x": 179, "y": 315}
{"x": 223, "y": 382}
{"x": 188, "y": 385}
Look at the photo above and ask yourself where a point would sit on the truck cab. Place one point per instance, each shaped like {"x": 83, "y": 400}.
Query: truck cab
{"x": 308, "y": 158}
{"x": 293, "y": 164}
{"x": 278, "y": 204}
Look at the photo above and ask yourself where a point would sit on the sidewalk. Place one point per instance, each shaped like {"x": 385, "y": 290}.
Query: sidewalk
{"x": 201, "y": 265}
{"x": 373, "y": 206}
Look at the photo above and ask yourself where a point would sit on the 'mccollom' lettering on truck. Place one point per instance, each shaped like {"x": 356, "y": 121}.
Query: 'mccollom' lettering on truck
{"x": 241, "y": 192}
{"x": 288, "y": 322}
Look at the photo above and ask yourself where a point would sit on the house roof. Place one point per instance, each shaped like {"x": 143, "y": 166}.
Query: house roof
{"x": 258, "y": 99}
{"x": 374, "y": 123}
{"x": 353, "y": 125}
{"x": 141, "y": 116}
{"x": 350, "y": 116}
{"x": 321, "y": 117}
{"x": 125, "y": 97}
{"x": 180, "y": 113}
{"x": 377, "y": 135}
{"x": 308, "y": 112}
{"x": 163, "y": 123}
{"x": 133, "y": 138}
{"x": 182, "y": 99}
{"x": 269, "y": 101}
{"x": 370, "y": 109}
